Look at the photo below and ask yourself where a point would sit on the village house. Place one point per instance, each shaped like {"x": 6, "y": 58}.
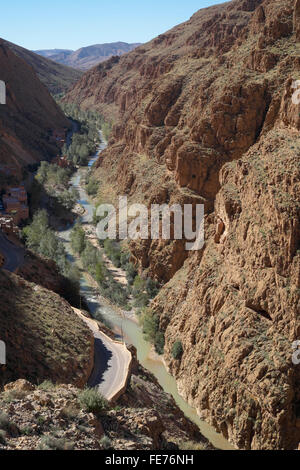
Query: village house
{"x": 9, "y": 170}
{"x": 63, "y": 162}
{"x": 18, "y": 193}
{"x": 7, "y": 225}
{"x": 15, "y": 204}
{"x": 59, "y": 137}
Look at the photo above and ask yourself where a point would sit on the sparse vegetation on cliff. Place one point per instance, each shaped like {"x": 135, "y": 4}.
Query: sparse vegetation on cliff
{"x": 92, "y": 402}
{"x": 177, "y": 350}
{"x": 62, "y": 417}
{"x": 92, "y": 186}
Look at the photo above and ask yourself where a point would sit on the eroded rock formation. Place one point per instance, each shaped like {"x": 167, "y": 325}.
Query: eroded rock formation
{"x": 204, "y": 113}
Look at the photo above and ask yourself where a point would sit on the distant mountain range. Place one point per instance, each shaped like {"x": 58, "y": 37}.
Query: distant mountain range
{"x": 87, "y": 57}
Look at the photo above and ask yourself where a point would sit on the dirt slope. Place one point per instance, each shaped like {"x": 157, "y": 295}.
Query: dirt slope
{"x": 28, "y": 117}
{"x": 56, "y": 77}
{"x": 43, "y": 336}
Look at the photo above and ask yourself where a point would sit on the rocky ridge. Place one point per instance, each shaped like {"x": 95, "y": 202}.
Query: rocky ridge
{"x": 52, "y": 417}
{"x": 29, "y": 116}
{"x": 56, "y": 77}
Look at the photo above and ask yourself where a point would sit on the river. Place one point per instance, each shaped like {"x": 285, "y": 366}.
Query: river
{"x": 131, "y": 330}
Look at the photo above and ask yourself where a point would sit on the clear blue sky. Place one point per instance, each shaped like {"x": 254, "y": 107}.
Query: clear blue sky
{"x": 71, "y": 24}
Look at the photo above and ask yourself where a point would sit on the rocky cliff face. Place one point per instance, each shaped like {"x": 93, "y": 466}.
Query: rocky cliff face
{"x": 50, "y": 417}
{"x": 204, "y": 113}
{"x": 29, "y": 115}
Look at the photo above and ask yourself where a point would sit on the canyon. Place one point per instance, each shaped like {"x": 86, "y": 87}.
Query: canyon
{"x": 204, "y": 114}
{"x": 207, "y": 113}
{"x": 50, "y": 350}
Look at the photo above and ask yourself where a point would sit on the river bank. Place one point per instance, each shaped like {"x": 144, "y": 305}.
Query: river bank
{"x": 123, "y": 324}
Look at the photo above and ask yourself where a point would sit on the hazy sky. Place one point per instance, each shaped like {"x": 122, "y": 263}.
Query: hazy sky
{"x": 71, "y": 24}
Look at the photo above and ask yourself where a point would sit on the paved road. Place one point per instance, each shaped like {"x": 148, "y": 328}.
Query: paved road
{"x": 13, "y": 254}
{"x": 112, "y": 361}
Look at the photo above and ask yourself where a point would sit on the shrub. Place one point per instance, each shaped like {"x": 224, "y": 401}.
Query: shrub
{"x": 52, "y": 175}
{"x": 26, "y": 431}
{"x": 143, "y": 290}
{"x": 106, "y": 130}
{"x": 141, "y": 300}
{"x": 7, "y": 426}
{"x": 139, "y": 286}
{"x": 47, "y": 386}
{"x": 78, "y": 241}
{"x": 54, "y": 443}
{"x": 4, "y": 422}
{"x": 93, "y": 261}
{"x": 152, "y": 288}
{"x": 100, "y": 273}
{"x": 92, "y": 401}
{"x": 177, "y": 350}
{"x": 90, "y": 256}
{"x": 13, "y": 395}
{"x": 92, "y": 187}
{"x": 150, "y": 325}
{"x": 84, "y": 143}
{"x": 124, "y": 258}
{"x": 159, "y": 342}
{"x": 131, "y": 273}
{"x": 70, "y": 412}
{"x": 41, "y": 239}
{"x": 112, "y": 250}
{"x": 2, "y": 437}
{"x": 151, "y": 330}
{"x": 106, "y": 443}
{"x": 68, "y": 198}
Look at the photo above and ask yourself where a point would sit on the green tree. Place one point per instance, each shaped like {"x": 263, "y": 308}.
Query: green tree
{"x": 78, "y": 241}
{"x": 92, "y": 187}
{"x": 100, "y": 273}
{"x": 68, "y": 198}
{"x": 177, "y": 350}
